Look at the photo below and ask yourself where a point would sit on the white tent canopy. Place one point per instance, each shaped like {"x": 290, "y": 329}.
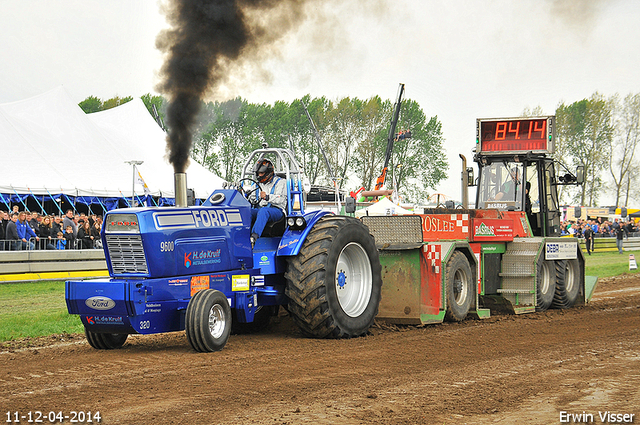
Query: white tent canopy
{"x": 50, "y": 146}
{"x": 383, "y": 207}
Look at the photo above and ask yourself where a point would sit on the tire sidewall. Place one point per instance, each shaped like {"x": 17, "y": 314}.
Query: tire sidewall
{"x": 458, "y": 262}
{"x": 544, "y": 300}
{"x": 105, "y": 341}
{"x": 572, "y": 295}
{"x": 114, "y": 340}
{"x": 197, "y": 318}
{"x": 353, "y": 231}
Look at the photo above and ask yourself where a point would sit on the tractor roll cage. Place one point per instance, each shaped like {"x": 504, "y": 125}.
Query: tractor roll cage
{"x": 285, "y": 166}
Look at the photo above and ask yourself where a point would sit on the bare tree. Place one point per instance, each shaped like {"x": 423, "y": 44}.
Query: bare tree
{"x": 625, "y": 142}
{"x": 586, "y": 129}
{"x": 630, "y": 186}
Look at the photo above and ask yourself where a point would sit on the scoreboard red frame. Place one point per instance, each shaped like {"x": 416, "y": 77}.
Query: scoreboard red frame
{"x": 515, "y": 135}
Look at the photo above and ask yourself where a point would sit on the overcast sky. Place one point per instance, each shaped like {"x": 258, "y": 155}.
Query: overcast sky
{"x": 461, "y": 60}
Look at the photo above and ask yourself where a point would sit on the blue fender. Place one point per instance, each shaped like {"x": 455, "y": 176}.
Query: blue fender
{"x": 292, "y": 240}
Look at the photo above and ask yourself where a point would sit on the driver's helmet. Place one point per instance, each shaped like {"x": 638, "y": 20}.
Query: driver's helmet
{"x": 264, "y": 166}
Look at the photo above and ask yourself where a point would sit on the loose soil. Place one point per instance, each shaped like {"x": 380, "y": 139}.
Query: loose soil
{"x": 506, "y": 369}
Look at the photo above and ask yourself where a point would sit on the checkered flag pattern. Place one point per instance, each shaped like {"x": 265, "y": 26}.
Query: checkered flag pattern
{"x": 462, "y": 221}
{"x": 434, "y": 257}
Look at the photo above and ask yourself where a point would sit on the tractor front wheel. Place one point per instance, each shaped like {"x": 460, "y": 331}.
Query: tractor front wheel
{"x": 208, "y": 321}
{"x": 101, "y": 341}
{"x": 334, "y": 283}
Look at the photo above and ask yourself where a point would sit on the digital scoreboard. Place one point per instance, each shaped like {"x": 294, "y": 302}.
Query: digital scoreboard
{"x": 515, "y": 135}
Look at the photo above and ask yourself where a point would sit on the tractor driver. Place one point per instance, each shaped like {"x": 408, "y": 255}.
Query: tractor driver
{"x": 509, "y": 187}
{"x": 270, "y": 200}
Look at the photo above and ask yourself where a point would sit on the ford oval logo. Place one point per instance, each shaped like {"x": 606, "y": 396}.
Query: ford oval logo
{"x": 100, "y": 303}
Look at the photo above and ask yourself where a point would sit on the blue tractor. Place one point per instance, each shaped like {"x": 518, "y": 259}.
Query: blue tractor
{"x": 193, "y": 268}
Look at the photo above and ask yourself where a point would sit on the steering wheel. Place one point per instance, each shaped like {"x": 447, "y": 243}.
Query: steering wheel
{"x": 255, "y": 201}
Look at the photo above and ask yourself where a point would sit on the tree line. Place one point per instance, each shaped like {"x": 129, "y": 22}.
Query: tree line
{"x": 353, "y": 134}
{"x": 602, "y": 133}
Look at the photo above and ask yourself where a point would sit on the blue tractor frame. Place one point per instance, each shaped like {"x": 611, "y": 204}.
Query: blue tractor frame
{"x": 194, "y": 269}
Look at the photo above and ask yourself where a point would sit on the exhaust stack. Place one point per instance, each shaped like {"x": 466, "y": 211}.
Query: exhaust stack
{"x": 465, "y": 182}
{"x": 180, "y": 189}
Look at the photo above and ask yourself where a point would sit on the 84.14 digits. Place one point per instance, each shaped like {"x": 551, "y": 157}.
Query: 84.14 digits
{"x": 38, "y": 417}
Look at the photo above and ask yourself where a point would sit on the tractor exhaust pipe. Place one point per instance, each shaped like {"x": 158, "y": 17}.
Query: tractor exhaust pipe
{"x": 465, "y": 183}
{"x": 180, "y": 187}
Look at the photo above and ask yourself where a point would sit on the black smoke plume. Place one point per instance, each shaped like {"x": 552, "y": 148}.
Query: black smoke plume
{"x": 206, "y": 41}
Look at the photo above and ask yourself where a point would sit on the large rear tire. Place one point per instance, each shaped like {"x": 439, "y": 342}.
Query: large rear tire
{"x": 567, "y": 283}
{"x": 334, "y": 283}
{"x": 459, "y": 290}
{"x": 208, "y": 321}
{"x": 545, "y": 284}
{"x": 101, "y": 341}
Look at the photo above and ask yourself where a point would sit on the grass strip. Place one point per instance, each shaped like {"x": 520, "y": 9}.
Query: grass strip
{"x": 607, "y": 264}
{"x": 33, "y": 309}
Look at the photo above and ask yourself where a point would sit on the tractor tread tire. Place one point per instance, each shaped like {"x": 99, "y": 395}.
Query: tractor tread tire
{"x": 544, "y": 300}
{"x": 313, "y": 303}
{"x": 197, "y": 321}
{"x": 564, "y": 298}
{"x": 105, "y": 341}
{"x": 457, "y": 312}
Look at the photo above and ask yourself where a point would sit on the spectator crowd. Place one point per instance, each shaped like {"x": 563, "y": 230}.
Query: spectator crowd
{"x": 590, "y": 229}
{"x": 25, "y": 230}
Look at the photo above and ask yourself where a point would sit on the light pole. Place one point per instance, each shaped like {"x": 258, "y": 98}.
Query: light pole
{"x": 133, "y": 186}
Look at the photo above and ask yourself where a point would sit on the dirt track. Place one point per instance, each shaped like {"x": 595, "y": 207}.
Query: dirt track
{"x": 504, "y": 370}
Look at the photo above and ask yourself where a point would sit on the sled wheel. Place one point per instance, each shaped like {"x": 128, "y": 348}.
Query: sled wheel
{"x": 334, "y": 283}
{"x": 545, "y": 284}
{"x": 567, "y": 283}
{"x": 261, "y": 320}
{"x": 105, "y": 341}
{"x": 208, "y": 321}
{"x": 459, "y": 281}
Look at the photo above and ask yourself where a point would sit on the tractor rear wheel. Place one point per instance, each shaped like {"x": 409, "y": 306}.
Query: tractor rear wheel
{"x": 567, "y": 283}
{"x": 334, "y": 283}
{"x": 101, "y": 341}
{"x": 545, "y": 284}
{"x": 208, "y": 321}
{"x": 459, "y": 281}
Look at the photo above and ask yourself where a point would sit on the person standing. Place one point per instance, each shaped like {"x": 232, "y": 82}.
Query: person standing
{"x": 32, "y": 221}
{"x": 25, "y": 232}
{"x": 95, "y": 232}
{"x": 619, "y": 236}
{"x": 70, "y": 237}
{"x": 588, "y": 238}
{"x": 85, "y": 238}
{"x": 68, "y": 220}
{"x": 61, "y": 242}
{"x": 12, "y": 233}
{"x": 56, "y": 224}
{"x": 47, "y": 235}
{"x": 3, "y": 233}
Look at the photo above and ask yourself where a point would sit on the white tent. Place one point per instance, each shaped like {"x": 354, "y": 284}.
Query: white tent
{"x": 383, "y": 207}
{"x": 50, "y": 146}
